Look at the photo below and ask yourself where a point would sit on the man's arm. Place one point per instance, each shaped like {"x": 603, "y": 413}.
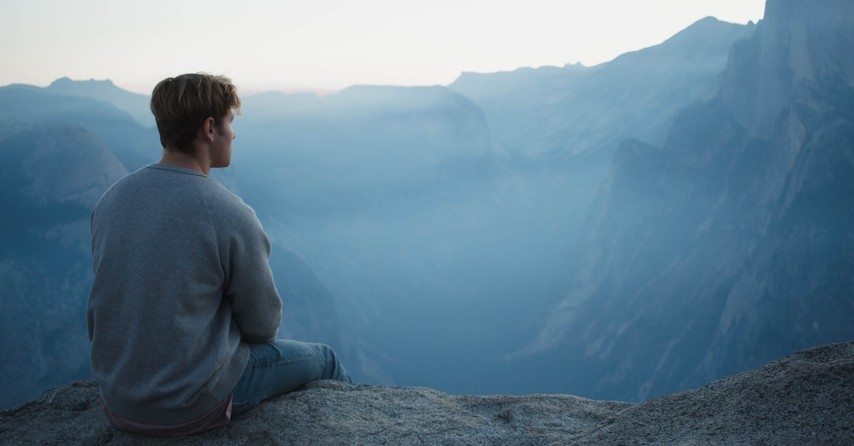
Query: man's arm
{"x": 256, "y": 304}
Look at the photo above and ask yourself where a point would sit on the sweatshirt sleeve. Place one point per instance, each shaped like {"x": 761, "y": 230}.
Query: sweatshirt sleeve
{"x": 256, "y": 304}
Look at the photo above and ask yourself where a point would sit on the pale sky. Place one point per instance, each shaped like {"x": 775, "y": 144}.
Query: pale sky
{"x": 326, "y": 45}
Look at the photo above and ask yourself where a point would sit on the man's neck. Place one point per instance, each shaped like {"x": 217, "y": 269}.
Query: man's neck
{"x": 186, "y": 160}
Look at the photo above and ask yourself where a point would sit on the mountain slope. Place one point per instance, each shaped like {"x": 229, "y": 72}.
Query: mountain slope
{"x": 136, "y": 105}
{"x": 729, "y": 245}
{"x": 50, "y": 176}
{"x": 551, "y": 112}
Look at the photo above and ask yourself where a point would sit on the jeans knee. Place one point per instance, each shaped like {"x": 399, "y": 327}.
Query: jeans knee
{"x": 327, "y": 350}
{"x": 336, "y": 371}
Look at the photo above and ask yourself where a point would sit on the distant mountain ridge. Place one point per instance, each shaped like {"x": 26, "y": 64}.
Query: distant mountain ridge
{"x": 551, "y": 112}
{"x": 134, "y": 104}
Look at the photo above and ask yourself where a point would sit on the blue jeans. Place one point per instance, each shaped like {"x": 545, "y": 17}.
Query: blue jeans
{"x": 278, "y": 367}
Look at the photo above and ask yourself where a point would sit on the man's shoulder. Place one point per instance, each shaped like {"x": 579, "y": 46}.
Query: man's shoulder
{"x": 163, "y": 186}
{"x": 126, "y": 187}
{"x": 146, "y": 177}
{"x": 224, "y": 204}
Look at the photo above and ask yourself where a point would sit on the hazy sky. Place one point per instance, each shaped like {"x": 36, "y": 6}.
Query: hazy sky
{"x": 293, "y": 45}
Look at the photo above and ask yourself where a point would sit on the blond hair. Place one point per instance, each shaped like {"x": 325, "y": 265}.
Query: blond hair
{"x": 181, "y": 104}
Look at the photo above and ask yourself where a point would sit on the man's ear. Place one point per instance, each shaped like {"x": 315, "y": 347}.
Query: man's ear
{"x": 209, "y": 128}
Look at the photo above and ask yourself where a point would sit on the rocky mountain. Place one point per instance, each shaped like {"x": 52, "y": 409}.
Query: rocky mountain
{"x": 729, "y": 244}
{"x": 136, "y": 105}
{"x": 558, "y": 113}
{"x": 803, "y": 399}
{"x": 126, "y": 138}
{"x": 55, "y": 161}
{"x": 560, "y": 127}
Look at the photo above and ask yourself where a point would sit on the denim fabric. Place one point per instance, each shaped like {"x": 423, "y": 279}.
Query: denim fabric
{"x": 278, "y": 367}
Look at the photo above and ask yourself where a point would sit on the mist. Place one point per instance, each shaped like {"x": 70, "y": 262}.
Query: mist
{"x": 620, "y": 231}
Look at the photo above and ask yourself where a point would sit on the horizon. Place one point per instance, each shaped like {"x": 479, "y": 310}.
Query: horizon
{"x": 330, "y": 45}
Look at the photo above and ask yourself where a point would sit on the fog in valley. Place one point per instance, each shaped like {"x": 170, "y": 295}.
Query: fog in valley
{"x": 621, "y": 231}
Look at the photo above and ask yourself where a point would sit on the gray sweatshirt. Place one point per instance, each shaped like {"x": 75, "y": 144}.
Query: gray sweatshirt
{"x": 182, "y": 282}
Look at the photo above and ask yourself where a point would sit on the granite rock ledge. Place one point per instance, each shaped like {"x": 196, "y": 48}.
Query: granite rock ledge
{"x": 806, "y": 398}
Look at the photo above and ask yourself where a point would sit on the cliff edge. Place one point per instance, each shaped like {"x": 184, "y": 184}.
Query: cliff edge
{"x": 806, "y": 398}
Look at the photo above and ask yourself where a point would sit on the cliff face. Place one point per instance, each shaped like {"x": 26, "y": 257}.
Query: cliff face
{"x": 551, "y": 114}
{"x": 803, "y": 45}
{"x": 730, "y": 244}
{"x": 804, "y": 399}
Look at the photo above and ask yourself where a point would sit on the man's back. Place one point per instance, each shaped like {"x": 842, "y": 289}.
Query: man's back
{"x": 183, "y": 312}
{"x": 181, "y": 278}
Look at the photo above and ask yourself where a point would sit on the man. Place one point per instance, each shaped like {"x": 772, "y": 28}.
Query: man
{"x": 183, "y": 312}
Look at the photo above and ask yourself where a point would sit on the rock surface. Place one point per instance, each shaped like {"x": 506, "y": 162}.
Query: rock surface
{"x": 807, "y": 398}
